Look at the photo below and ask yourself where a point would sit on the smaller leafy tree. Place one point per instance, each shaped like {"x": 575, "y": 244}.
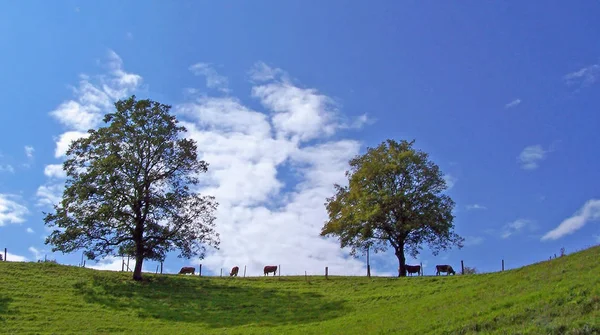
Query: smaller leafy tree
{"x": 470, "y": 270}
{"x": 394, "y": 198}
{"x": 128, "y": 190}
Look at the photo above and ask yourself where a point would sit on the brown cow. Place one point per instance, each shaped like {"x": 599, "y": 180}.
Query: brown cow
{"x": 234, "y": 271}
{"x": 413, "y": 269}
{"x": 187, "y": 269}
{"x": 444, "y": 268}
{"x": 270, "y": 268}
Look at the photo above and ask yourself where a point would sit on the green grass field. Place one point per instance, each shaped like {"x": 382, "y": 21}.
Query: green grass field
{"x": 561, "y": 296}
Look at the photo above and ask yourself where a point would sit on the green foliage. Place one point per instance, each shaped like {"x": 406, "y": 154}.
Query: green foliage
{"x": 128, "y": 190}
{"x": 394, "y": 197}
{"x": 561, "y": 296}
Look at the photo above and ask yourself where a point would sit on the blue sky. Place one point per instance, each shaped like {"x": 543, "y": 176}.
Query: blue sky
{"x": 279, "y": 95}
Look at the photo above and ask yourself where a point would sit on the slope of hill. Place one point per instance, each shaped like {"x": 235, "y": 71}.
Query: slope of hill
{"x": 561, "y": 296}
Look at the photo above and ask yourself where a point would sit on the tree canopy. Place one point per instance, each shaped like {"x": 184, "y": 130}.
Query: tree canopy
{"x": 129, "y": 190}
{"x": 394, "y": 197}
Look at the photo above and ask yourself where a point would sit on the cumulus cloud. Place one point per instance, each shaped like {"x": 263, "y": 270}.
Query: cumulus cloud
{"x": 264, "y": 218}
{"x": 7, "y": 168}
{"x": 589, "y": 212}
{"x": 531, "y": 156}
{"x": 64, "y": 141}
{"x": 15, "y": 258}
{"x": 113, "y": 263}
{"x": 213, "y": 78}
{"x": 30, "y": 231}
{"x": 36, "y": 253}
{"x": 95, "y": 95}
{"x": 55, "y": 171}
{"x": 11, "y": 211}
{"x": 475, "y": 206}
{"x": 29, "y": 151}
{"x": 517, "y": 226}
{"x": 262, "y": 72}
{"x": 450, "y": 181}
{"x": 585, "y": 76}
{"x": 49, "y": 194}
{"x": 513, "y": 103}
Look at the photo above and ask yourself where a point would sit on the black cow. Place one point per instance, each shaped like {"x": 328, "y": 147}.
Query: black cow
{"x": 270, "y": 268}
{"x": 413, "y": 269}
{"x": 444, "y": 268}
{"x": 187, "y": 269}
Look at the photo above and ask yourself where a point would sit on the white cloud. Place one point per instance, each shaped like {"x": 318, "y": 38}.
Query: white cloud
{"x": 29, "y": 151}
{"x": 15, "y": 258}
{"x": 589, "y": 212}
{"x": 7, "y": 168}
{"x": 49, "y": 195}
{"x": 475, "y": 206}
{"x": 95, "y": 99}
{"x": 11, "y": 211}
{"x": 584, "y": 77}
{"x": 531, "y": 156}
{"x": 450, "y": 181}
{"x": 55, "y": 171}
{"x": 30, "y": 231}
{"x": 64, "y": 141}
{"x": 213, "y": 78}
{"x": 36, "y": 253}
{"x": 112, "y": 263}
{"x": 299, "y": 114}
{"x": 513, "y": 103}
{"x": 261, "y": 220}
{"x": 262, "y": 72}
{"x": 517, "y": 226}
{"x": 473, "y": 240}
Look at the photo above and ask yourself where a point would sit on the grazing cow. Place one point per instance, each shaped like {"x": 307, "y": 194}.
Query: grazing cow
{"x": 413, "y": 269}
{"x": 444, "y": 268}
{"x": 187, "y": 269}
{"x": 234, "y": 271}
{"x": 270, "y": 268}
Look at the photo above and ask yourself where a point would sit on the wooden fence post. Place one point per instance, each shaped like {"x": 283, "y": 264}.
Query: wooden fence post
{"x": 4, "y": 254}
{"x": 462, "y": 267}
{"x": 279, "y": 271}
{"x": 200, "y": 271}
{"x": 244, "y": 271}
{"x": 502, "y": 265}
{"x": 161, "y": 267}
{"x": 326, "y": 272}
{"x": 421, "y": 272}
{"x": 221, "y": 272}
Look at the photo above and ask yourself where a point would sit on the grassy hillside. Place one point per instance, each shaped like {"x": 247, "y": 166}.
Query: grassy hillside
{"x": 561, "y": 296}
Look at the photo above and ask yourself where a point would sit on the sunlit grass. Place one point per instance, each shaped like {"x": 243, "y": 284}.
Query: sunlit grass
{"x": 560, "y": 296}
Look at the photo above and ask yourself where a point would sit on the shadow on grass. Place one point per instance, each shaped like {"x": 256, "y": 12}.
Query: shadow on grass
{"x": 4, "y": 301}
{"x": 207, "y": 301}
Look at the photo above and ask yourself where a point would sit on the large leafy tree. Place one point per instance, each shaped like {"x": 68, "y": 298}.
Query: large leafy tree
{"x": 128, "y": 190}
{"x": 394, "y": 198}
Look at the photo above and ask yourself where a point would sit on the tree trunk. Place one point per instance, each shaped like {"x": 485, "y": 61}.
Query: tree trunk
{"x": 401, "y": 262}
{"x": 137, "y": 272}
